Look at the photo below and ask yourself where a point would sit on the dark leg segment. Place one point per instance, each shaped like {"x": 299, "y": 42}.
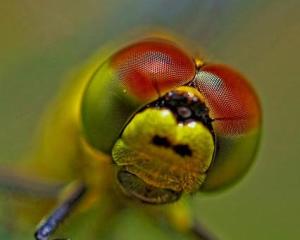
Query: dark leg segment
{"x": 51, "y": 223}
{"x": 201, "y": 233}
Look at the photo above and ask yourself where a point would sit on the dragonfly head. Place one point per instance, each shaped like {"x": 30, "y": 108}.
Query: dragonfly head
{"x": 166, "y": 148}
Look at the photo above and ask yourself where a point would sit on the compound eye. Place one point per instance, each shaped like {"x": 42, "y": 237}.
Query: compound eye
{"x": 231, "y": 99}
{"x": 152, "y": 66}
{"x": 235, "y": 109}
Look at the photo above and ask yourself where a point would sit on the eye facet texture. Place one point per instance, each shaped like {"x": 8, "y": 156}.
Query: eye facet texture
{"x": 231, "y": 100}
{"x": 152, "y": 66}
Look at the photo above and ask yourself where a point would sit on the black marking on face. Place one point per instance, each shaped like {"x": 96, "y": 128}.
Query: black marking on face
{"x": 183, "y": 150}
{"x": 161, "y": 141}
{"x": 180, "y": 149}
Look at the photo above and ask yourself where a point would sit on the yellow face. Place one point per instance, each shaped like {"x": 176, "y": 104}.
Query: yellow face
{"x": 165, "y": 149}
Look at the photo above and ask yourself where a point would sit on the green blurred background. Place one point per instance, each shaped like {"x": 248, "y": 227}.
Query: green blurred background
{"x": 41, "y": 41}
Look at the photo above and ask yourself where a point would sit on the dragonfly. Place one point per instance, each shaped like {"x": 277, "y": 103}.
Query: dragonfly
{"x": 143, "y": 127}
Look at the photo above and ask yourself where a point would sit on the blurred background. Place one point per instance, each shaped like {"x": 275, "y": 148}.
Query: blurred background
{"x": 42, "y": 41}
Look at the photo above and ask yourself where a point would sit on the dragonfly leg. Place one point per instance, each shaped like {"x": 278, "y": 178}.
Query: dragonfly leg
{"x": 19, "y": 182}
{"x": 201, "y": 233}
{"x": 51, "y": 223}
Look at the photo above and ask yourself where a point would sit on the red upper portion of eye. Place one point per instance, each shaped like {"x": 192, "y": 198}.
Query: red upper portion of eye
{"x": 231, "y": 100}
{"x": 150, "y": 66}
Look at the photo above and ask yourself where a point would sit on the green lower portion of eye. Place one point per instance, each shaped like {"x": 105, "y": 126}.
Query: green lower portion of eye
{"x": 136, "y": 187}
{"x": 105, "y": 108}
{"x": 234, "y": 157}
